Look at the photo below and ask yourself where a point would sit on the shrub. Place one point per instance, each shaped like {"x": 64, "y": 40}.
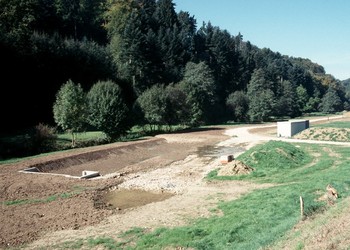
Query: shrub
{"x": 43, "y": 138}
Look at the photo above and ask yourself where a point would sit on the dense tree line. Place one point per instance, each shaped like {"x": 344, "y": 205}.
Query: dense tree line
{"x": 167, "y": 69}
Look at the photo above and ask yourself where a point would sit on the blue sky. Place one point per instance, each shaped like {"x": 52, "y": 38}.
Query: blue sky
{"x": 315, "y": 29}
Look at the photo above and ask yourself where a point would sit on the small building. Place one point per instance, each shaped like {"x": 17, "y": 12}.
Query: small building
{"x": 291, "y": 127}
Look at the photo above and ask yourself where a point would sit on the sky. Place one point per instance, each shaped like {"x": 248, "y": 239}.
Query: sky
{"x": 315, "y": 29}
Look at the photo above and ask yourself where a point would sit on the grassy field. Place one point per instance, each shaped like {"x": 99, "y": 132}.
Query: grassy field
{"x": 333, "y": 125}
{"x": 260, "y": 218}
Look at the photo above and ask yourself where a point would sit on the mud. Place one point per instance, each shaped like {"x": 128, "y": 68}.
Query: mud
{"x": 122, "y": 199}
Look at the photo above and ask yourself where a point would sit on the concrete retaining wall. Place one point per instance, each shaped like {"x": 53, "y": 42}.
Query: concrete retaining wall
{"x": 291, "y": 127}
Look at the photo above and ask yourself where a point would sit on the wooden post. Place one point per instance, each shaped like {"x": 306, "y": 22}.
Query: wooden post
{"x": 301, "y": 207}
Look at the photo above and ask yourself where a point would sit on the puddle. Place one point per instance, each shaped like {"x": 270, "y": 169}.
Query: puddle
{"x": 129, "y": 198}
{"x": 215, "y": 151}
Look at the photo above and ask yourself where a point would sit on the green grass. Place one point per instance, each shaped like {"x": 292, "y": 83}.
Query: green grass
{"x": 318, "y": 114}
{"x": 262, "y": 217}
{"x": 273, "y": 162}
{"x": 334, "y": 125}
{"x": 106, "y": 242}
{"x": 71, "y": 245}
{"x": 84, "y": 136}
{"x": 50, "y": 198}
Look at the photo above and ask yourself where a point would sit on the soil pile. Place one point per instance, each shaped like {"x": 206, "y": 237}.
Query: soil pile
{"x": 330, "y": 196}
{"x": 235, "y": 167}
{"x": 325, "y": 134}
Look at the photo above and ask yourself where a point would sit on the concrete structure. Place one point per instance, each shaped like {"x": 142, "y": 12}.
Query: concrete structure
{"x": 291, "y": 127}
{"x": 224, "y": 159}
{"x": 86, "y": 174}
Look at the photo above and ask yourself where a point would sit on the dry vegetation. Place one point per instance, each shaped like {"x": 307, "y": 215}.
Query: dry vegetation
{"x": 325, "y": 134}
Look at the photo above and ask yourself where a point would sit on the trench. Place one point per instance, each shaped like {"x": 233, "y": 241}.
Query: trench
{"x": 102, "y": 161}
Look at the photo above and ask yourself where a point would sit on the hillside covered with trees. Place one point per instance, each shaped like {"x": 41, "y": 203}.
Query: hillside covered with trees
{"x": 168, "y": 69}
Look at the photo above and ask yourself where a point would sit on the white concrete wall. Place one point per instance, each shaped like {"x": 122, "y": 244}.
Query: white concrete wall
{"x": 291, "y": 127}
{"x": 283, "y": 129}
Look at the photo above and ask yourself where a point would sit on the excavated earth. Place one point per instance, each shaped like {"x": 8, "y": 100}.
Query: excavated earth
{"x": 155, "y": 181}
{"x": 162, "y": 175}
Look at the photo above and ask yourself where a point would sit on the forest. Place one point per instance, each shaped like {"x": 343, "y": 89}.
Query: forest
{"x": 163, "y": 67}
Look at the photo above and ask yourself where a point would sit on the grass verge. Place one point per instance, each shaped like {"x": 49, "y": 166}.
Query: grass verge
{"x": 50, "y": 198}
{"x": 339, "y": 124}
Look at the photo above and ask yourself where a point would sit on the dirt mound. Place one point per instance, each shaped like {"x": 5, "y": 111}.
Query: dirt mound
{"x": 235, "y": 167}
{"x": 325, "y": 134}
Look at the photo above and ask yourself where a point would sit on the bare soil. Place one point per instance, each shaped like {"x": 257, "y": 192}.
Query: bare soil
{"x": 235, "y": 167}
{"x": 153, "y": 182}
{"x": 164, "y": 173}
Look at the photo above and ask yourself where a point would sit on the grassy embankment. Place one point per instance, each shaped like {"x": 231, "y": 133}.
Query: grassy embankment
{"x": 18, "y": 147}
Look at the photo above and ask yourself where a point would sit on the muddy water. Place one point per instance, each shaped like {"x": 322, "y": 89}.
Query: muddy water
{"x": 215, "y": 151}
{"x": 125, "y": 198}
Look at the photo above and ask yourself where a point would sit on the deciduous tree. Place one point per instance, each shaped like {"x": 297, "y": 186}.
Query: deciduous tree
{"x": 152, "y": 104}
{"x": 69, "y": 108}
{"x": 107, "y": 110}
{"x": 331, "y": 102}
{"x": 238, "y": 105}
{"x": 199, "y": 85}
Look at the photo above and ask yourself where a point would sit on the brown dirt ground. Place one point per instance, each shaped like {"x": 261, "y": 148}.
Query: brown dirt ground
{"x": 53, "y": 209}
{"x": 55, "y": 203}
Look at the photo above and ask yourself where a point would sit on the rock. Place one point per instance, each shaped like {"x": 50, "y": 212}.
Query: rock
{"x": 224, "y": 159}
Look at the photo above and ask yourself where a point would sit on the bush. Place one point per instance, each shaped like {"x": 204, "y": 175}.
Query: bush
{"x": 43, "y": 138}
{"x": 36, "y": 140}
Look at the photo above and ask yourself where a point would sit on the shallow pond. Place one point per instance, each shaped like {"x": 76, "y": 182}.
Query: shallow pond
{"x": 129, "y": 198}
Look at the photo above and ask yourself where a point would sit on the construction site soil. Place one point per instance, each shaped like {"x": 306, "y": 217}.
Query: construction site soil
{"x": 148, "y": 183}
{"x": 54, "y": 199}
